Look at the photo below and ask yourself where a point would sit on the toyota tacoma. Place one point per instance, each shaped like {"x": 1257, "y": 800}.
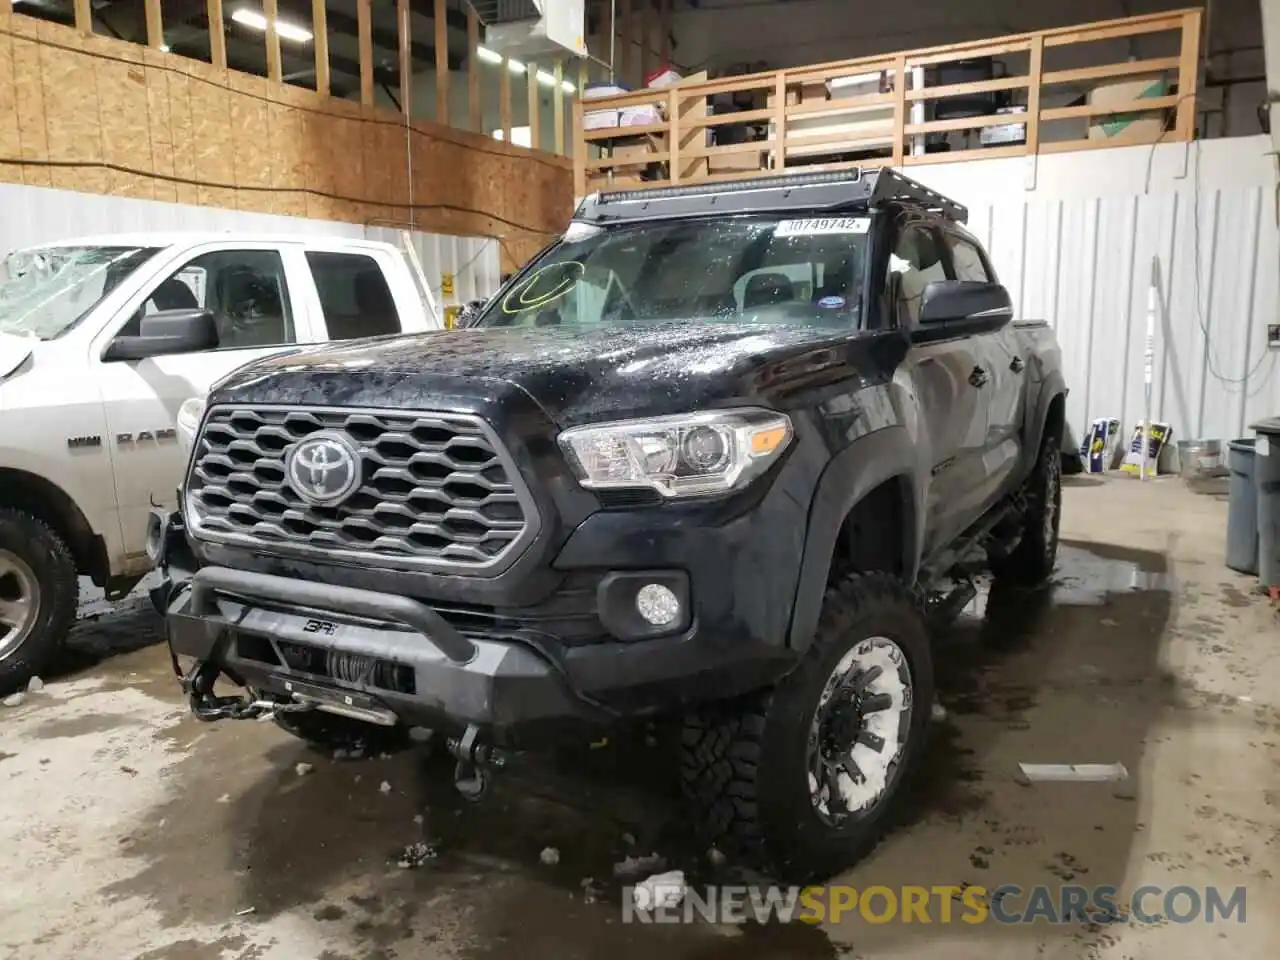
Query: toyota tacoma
{"x": 717, "y": 454}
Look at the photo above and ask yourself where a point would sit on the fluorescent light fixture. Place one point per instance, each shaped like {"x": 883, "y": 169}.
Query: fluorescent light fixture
{"x": 284, "y": 29}
{"x": 164, "y": 48}
{"x": 515, "y": 66}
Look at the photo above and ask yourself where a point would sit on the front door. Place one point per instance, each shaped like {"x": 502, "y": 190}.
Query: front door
{"x": 252, "y": 292}
{"x": 1000, "y": 359}
{"x": 941, "y": 375}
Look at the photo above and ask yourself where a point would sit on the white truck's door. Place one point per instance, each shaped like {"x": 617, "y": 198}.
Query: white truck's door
{"x": 362, "y": 291}
{"x": 253, "y": 291}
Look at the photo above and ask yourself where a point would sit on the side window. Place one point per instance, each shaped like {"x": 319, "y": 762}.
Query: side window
{"x": 245, "y": 290}
{"x": 967, "y": 260}
{"x": 914, "y": 263}
{"x": 354, "y": 295}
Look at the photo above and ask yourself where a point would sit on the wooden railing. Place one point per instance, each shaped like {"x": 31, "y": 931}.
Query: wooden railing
{"x": 662, "y": 137}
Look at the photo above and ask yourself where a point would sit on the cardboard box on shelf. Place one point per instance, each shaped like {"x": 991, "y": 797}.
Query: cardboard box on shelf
{"x": 736, "y": 163}
{"x": 639, "y": 116}
{"x": 601, "y": 119}
{"x": 801, "y": 93}
{"x": 635, "y": 150}
{"x": 1105, "y": 127}
{"x": 665, "y": 76}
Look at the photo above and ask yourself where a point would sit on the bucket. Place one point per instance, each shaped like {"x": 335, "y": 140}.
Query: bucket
{"x": 1201, "y": 459}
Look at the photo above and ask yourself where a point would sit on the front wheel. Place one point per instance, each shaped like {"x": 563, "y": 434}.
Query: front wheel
{"x": 803, "y": 776}
{"x": 38, "y": 596}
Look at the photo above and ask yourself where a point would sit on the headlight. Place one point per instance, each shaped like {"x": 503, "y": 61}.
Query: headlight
{"x": 680, "y": 456}
{"x": 189, "y": 415}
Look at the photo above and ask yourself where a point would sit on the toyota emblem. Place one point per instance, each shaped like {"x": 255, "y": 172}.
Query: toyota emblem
{"x": 324, "y": 469}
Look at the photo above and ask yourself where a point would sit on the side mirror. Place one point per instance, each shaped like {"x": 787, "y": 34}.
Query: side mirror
{"x": 166, "y": 332}
{"x": 471, "y": 310}
{"x": 968, "y": 305}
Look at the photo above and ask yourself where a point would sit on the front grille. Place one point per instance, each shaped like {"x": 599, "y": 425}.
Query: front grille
{"x": 436, "y": 490}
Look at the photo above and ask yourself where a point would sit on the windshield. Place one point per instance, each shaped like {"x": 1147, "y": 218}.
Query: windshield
{"x": 807, "y": 272}
{"x": 45, "y": 292}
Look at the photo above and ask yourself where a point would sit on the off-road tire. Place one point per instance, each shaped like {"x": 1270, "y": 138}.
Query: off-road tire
{"x": 327, "y": 732}
{"x": 743, "y": 763}
{"x": 1032, "y": 561}
{"x": 50, "y": 560}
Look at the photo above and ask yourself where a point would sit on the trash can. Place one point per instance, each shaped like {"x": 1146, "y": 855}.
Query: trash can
{"x": 1242, "y": 508}
{"x": 1266, "y": 473}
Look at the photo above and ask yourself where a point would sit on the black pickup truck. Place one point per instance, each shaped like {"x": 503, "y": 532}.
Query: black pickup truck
{"x": 716, "y": 454}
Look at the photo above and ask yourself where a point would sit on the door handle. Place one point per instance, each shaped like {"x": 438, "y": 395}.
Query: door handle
{"x": 1017, "y": 365}
{"x": 979, "y": 377}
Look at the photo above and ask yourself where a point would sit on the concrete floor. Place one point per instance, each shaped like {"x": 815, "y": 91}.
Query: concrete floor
{"x": 128, "y": 830}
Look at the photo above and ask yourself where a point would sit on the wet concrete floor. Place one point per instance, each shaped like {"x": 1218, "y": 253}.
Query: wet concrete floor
{"x": 128, "y": 830}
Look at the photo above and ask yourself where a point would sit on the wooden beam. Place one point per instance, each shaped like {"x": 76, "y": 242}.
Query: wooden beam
{"x": 628, "y": 38}
{"x": 609, "y": 32}
{"x": 557, "y": 107}
{"x": 646, "y": 35}
{"x": 504, "y": 99}
{"x": 404, "y": 28}
{"x": 1155, "y": 65}
{"x": 535, "y": 103}
{"x": 442, "y": 63}
{"x": 779, "y": 122}
{"x": 320, "y": 29}
{"x": 270, "y": 9}
{"x": 579, "y": 153}
{"x": 1188, "y": 76}
{"x": 364, "y": 19}
{"x": 155, "y": 25}
{"x": 1035, "y": 72}
{"x": 664, "y": 24}
{"x": 84, "y": 17}
{"x": 899, "y": 109}
{"x": 473, "y": 71}
{"x": 217, "y": 34}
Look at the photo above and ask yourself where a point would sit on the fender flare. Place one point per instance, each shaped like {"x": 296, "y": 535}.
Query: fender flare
{"x": 1052, "y": 387}
{"x": 853, "y": 473}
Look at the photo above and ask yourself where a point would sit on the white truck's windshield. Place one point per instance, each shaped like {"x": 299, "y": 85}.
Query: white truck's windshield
{"x": 44, "y": 292}
{"x": 808, "y": 271}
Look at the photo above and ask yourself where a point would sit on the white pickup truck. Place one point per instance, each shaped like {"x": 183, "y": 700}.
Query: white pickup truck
{"x": 102, "y": 341}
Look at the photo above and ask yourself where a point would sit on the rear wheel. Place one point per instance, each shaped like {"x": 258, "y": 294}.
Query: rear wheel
{"x": 38, "y": 595}
{"x": 803, "y": 776}
{"x": 1033, "y": 559}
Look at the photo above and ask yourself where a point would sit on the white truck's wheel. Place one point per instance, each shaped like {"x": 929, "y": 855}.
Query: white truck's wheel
{"x": 38, "y": 594}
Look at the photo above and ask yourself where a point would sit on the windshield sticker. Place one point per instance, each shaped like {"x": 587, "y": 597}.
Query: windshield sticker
{"x": 822, "y": 225}
{"x": 831, "y": 303}
{"x": 543, "y": 286}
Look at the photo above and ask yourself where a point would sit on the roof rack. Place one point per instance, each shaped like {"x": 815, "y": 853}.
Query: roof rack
{"x": 831, "y": 192}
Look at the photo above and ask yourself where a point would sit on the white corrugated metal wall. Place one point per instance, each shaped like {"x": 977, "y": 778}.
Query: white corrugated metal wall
{"x": 1074, "y": 235}
{"x": 34, "y": 215}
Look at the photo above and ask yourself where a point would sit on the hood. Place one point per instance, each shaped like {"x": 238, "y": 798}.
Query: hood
{"x": 14, "y": 351}
{"x": 577, "y": 375}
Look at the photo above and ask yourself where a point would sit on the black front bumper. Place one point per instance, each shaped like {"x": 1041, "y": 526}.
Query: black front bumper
{"x": 282, "y": 636}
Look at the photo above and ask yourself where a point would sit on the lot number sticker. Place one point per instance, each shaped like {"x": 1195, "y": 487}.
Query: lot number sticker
{"x": 822, "y": 225}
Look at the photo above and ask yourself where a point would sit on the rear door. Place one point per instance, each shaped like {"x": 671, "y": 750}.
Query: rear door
{"x": 251, "y": 290}
{"x": 999, "y": 356}
{"x": 953, "y": 417}
{"x": 354, "y": 296}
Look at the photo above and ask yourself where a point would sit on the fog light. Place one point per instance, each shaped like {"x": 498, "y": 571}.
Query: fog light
{"x": 657, "y": 604}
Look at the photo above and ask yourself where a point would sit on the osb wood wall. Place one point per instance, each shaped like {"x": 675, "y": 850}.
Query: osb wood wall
{"x": 99, "y": 115}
